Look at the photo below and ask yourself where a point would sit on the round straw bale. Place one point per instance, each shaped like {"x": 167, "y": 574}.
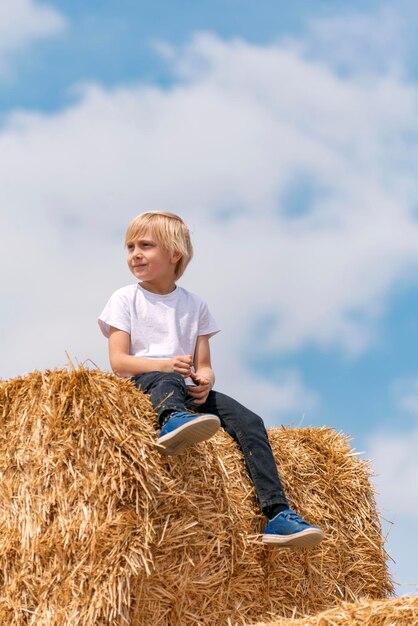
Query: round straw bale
{"x": 401, "y": 611}
{"x": 98, "y": 529}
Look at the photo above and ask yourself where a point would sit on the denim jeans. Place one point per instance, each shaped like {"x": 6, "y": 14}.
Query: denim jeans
{"x": 168, "y": 393}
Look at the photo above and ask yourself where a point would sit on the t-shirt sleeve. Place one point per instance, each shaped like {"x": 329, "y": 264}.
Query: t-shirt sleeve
{"x": 207, "y": 323}
{"x": 116, "y": 313}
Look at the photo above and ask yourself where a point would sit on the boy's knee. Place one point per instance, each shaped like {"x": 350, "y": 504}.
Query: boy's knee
{"x": 254, "y": 421}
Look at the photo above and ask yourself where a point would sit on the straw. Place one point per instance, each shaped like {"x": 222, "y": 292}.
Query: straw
{"x": 98, "y": 529}
{"x": 401, "y": 611}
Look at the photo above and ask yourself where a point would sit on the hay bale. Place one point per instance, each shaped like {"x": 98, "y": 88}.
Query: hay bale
{"x": 98, "y": 529}
{"x": 399, "y": 612}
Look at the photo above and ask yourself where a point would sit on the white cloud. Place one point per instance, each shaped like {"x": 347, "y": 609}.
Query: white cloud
{"x": 360, "y": 43}
{"x": 395, "y": 466}
{"x": 221, "y": 147}
{"x": 405, "y": 393}
{"x": 395, "y": 463}
{"x": 23, "y": 22}
{"x": 395, "y": 453}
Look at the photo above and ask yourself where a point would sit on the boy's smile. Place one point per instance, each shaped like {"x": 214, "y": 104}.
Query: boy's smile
{"x": 152, "y": 264}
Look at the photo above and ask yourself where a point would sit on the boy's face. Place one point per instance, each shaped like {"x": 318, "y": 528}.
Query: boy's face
{"x": 151, "y": 263}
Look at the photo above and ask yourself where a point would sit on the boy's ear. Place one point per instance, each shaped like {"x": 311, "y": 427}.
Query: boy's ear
{"x": 176, "y": 256}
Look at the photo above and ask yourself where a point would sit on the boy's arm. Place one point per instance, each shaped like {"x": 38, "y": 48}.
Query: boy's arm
{"x": 203, "y": 376}
{"x": 124, "y": 364}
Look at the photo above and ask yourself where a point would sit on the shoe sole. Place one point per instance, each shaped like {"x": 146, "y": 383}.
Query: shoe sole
{"x": 304, "y": 539}
{"x": 201, "y": 429}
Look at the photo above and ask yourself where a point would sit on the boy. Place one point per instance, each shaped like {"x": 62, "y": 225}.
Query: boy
{"x": 159, "y": 336}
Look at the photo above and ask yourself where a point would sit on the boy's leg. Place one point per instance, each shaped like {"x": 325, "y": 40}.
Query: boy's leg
{"x": 180, "y": 429}
{"x": 249, "y": 432}
{"x": 285, "y": 527}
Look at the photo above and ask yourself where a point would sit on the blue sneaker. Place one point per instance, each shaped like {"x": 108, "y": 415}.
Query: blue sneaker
{"x": 184, "y": 429}
{"x": 288, "y": 530}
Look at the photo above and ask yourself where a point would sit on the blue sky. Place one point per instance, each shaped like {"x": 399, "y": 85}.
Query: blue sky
{"x": 286, "y": 134}
{"x": 112, "y": 43}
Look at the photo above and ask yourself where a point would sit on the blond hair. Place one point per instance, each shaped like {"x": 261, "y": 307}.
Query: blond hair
{"x": 170, "y": 231}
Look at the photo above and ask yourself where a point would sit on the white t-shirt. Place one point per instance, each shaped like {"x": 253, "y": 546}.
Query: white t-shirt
{"x": 159, "y": 326}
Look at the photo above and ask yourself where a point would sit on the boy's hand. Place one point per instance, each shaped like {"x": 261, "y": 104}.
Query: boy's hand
{"x": 201, "y": 389}
{"x": 182, "y": 364}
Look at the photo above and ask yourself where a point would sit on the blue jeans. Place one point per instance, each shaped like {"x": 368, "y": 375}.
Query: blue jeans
{"x": 168, "y": 393}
